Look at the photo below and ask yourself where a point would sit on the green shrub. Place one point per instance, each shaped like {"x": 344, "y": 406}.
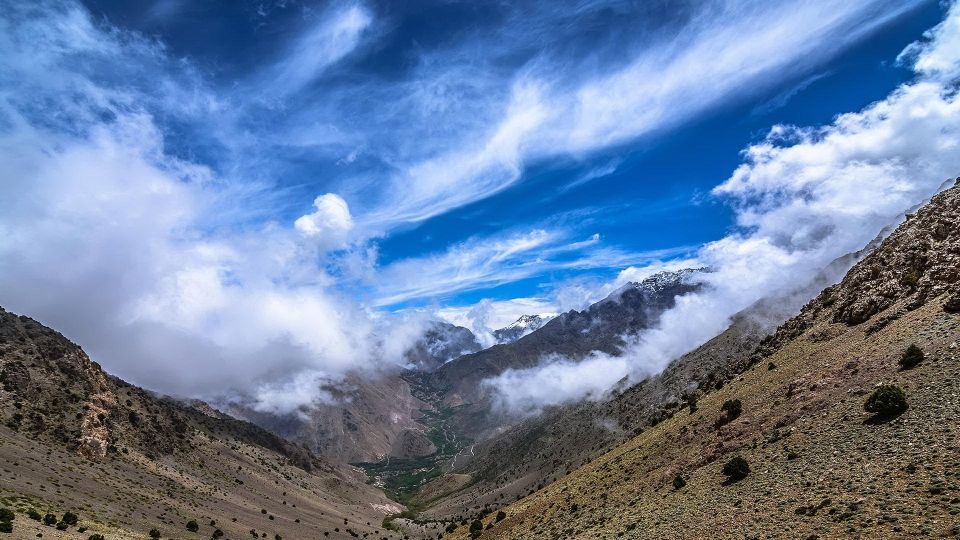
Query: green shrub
{"x": 678, "y": 482}
{"x": 6, "y": 527}
{"x": 6, "y": 515}
{"x": 477, "y": 525}
{"x": 62, "y": 526}
{"x": 154, "y": 533}
{"x": 736, "y": 469}
{"x": 34, "y": 515}
{"x": 70, "y": 518}
{"x": 732, "y": 407}
{"x": 911, "y": 357}
{"x": 96, "y": 537}
{"x": 49, "y": 519}
{"x": 192, "y": 526}
{"x": 501, "y": 515}
{"x": 217, "y": 533}
{"x": 731, "y": 410}
{"x": 886, "y": 400}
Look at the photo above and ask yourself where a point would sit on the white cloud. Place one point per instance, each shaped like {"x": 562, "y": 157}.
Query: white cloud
{"x": 330, "y": 223}
{"x": 494, "y": 314}
{"x": 139, "y": 255}
{"x": 487, "y": 262}
{"x": 552, "y": 110}
{"x": 803, "y": 197}
{"x": 336, "y": 35}
{"x": 527, "y": 392}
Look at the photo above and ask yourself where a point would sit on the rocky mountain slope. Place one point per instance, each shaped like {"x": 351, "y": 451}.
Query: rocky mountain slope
{"x": 820, "y": 466}
{"x": 369, "y": 418}
{"x": 372, "y": 416}
{"x": 574, "y": 334}
{"x": 126, "y": 461}
{"x": 526, "y": 324}
{"x": 545, "y": 447}
{"x": 441, "y": 343}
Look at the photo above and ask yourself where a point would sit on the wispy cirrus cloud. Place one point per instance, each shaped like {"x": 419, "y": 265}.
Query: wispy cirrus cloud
{"x": 545, "y": 107}
{"x": 487, "y": 262}
{"x": 337, "y": 34}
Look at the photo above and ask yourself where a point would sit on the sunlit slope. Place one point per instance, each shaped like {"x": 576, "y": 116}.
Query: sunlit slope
{"x": 820, "y": 466}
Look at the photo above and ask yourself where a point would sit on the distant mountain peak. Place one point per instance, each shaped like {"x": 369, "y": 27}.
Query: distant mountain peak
{"x": 521, "y": 327}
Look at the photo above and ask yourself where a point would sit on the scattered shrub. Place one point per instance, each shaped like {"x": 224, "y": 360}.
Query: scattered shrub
{"x": 192, "y": 526}
{"x": 70, "y": 518}
{"x": 49, "y": 520}
{"x": 217, "y": 533}
{"x": 732, "y": 407}
{"x": 736, "y": 469}
{"x": 477, "y": 525}
{"x": 34, "y": 515}
{"x": 886, "y": 400}
{"x": 154, "y": 533}
{"x": 6, "y": 527}
{"x": 6, "y": 515}
{"x": 96, "y": 537}
{"x": 501, "y": 515}
{"x": 731, "y": 410}
{"x": 62, "y": 526}
{"x": 911, "y": 357}
{"x": 678, "y": 482}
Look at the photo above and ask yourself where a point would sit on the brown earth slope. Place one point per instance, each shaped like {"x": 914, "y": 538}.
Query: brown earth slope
{"x": 820, "y": 467}
{"x": 127, "y": 461}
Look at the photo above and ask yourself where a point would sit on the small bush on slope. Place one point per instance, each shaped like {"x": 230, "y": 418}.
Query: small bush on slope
{"x": 736, "y": 469}
{"x": 911, "y": 357}
{"x": 887, "y": 400}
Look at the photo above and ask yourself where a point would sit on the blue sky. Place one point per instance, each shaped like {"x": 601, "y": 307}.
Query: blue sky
{"x": 209, "y": 184}
{"x": 645, "y": 192}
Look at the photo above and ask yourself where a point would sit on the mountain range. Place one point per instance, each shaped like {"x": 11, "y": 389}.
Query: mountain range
{"x": 765, "y": 430}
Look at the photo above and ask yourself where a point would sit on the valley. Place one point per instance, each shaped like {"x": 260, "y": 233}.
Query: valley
{"x": 402, "y": 478}
{"x": 509, "y": 270}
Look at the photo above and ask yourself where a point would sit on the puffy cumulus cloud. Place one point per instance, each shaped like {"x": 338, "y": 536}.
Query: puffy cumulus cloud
{"x": 330, "y": 223}
{"x": 138, "y": 255}
{"x": 803, "y": 198}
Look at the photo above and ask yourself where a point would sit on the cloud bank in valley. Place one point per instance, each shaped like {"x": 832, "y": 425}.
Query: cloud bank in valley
{"x": 803, "y": 197}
